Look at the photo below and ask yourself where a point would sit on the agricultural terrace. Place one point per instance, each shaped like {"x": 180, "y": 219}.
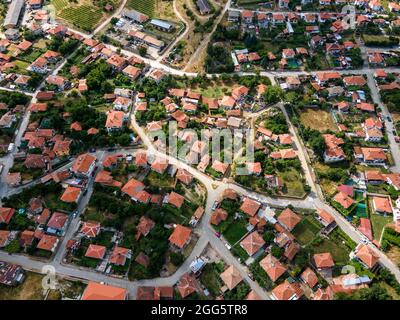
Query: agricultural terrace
{"x": 147, "y": 7}
{"x": 82, "y": 14}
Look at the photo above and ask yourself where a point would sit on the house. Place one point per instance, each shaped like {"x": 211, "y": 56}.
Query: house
{"x": 394, "y": 7}
{"x": 358, "y": 81}
{"x": 247, "y": 16}
{"x": 374, "y": 156}
{"x": 48, "y": 243}
{"x": 122, "y": 103}
{"x": 288, "y": 219}
{"x": 287, "y": 291}
{"x": 57, "y": 81}
{"x": 333, "y": 151}
{"x": 95, "y": 251}
{"x": 84, "y": 165}
{"x": 57, "y": 223}
{"x": 120, "y": 255}
{"x": 90, "y": 229}
{"x": 13, "y": 14}
{"x": 105, "y": 178}
{"x": 154, "y": 293}
{"x": 272, "y": 267}
{"x": 231, "y": 277}
{"x": 99, "y": 291}
{"x": 250, "y": 207}
{"x": 71, "y": 194}
{"x": 6, "y": 214}
{"x": 175, "y": 199}
{"x": 117, "y": 62}
{"x": 184, "y": 176}
{"x": 39, "y": 65}
{"x": 180, "y": 237}
{"x": 132, "y": 72}
{"x": 252, "y": 243}
{"x": 382, "y": 205}
{"x": 309, "y": 277}
{"x": 366, "y": 256}
{"x": 344, "y": 200}
{"x": 218, "y": 216}
{"x": 220, "y": 167}
{"x": 187, "y": 285}
{"x": 115, "y": 120}
{"x": 5, "y": 238}
{"x": 325, "y": 217}
{"x": 278, "y": 18}
{"x": 323, "y": 261}
{"x": 135, "y": 189}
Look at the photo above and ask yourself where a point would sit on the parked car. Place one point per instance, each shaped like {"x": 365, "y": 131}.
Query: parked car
{"x": 218, "y": 234}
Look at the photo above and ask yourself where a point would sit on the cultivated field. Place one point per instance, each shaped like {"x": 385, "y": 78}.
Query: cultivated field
{"x": 144, "y": 6}
{"x": 84, "y": 15}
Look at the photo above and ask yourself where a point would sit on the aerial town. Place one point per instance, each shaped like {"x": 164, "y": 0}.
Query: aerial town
{"x": 279, "y": 178}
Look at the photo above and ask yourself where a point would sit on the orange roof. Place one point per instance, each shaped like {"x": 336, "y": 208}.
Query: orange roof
{"x": 231, "y": 277}
{"x": 287, "y": 291}
{"x": 175, "y": 199}
{"x": 355, "y": 81}
{"x": 90, "y": 229}
{"x": 159, "y": 165}
{"x": 309, "y": 277}
{"x": 253, "y": 296}
{"x": 105, "y": 178}
{"x": 115, "y": 119}
{"x": 180, "y": 236}
{"x": 289, "y": 219}
{"x": 366, "y": 255}
{"x": 382, "y": 204}
{"x": 325, "y": 215}
{"x": 98, "y": 291}
{"x": 272, "y": 267}
{"x": 47, "y": 243}
{"x": 6, "y": 214}
{"x": 250, "y": 206}
{"x": 71, "y": 194}
{"x": 187, "y": 285}
{"x": 323, "y": 260}
{"x": 184, "y": 176}
{"x": 343, "y": 199}
{"x": 218, "y": 216}
{"x": 252, "y": 243}
{"x": 83, "y": 163}
{"x": 219, "y": 166}
{"x": 119, "y": 256}
{"x": 132, "y": 187}
{"x": 95, "y": 251}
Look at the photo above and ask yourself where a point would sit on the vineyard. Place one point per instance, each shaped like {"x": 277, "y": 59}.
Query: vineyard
{"x": 144, "y": 6}
{"x": 84, "y": 15}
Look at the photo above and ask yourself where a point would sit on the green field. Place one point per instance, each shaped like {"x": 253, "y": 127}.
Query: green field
{"x": 147, "y": 6}
{"x": 339, "y": 253}
{"x": 306, "y": 230}
{"x": 84, "y": 16}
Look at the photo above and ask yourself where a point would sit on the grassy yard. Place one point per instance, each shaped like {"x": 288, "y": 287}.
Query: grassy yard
{"x": 294, "y": 185}
{"x": 306, "y": 230}
{"x": 210, "y": 277}
{"x": 155, "y": 179}
{"x": 378, "y": 222}
{"x": 235, "y": 231}
{"x": 317, "y": 119}
{"x": 216, "y": 89}
{"x": 339, "y": 253}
